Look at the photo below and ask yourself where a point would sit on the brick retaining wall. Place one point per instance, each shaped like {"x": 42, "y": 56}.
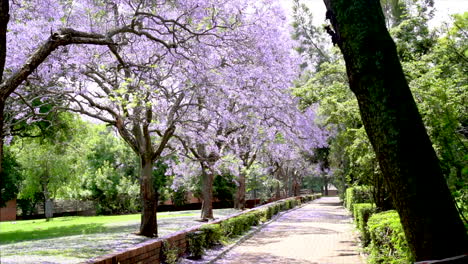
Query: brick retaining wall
{"x": 150, "y": 251}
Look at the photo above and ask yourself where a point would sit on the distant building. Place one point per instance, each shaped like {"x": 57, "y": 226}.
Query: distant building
{"x": 8, "y": 213}
{"x": 332, "y": 190}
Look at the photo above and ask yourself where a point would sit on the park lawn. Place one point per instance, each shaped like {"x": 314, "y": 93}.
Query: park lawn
{"x": 15, "y": 231}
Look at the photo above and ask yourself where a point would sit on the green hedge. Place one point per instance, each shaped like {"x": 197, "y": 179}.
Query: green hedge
{"x": 362, "y": 212}
{"x": 196, "y": 244}
{"x": 388, "y": 243}
{"x": 309, "y": 197}
{"x": 211, "y": 234}
{"x": 357, "y": 194}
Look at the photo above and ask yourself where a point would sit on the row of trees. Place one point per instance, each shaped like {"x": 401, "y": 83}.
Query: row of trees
{"x": 200, "y": 89}
{"x": 194, "y": 88}
{"x": 380, "y": 138}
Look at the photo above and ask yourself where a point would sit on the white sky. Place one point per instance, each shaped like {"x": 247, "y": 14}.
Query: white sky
{"x": 443, "y": 9}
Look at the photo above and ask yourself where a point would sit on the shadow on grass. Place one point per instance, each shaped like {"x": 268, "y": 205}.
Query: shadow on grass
{"x": 52, "y": 232}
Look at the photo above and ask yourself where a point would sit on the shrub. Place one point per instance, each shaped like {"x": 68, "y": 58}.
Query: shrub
{"x": 235, "y": 226}
{"x": 388, "y": 243}
{"x": 308, "y": 198}
{"x": 170, "y": 253}
{"x": 357, "y": 194}
{"x": 196, "y": 244}
{"x": 213, "y": 234}
{"x": 276, "y": 208}
{"x": 269, "y": 212}
{"x": 362, "y": 212}
{"x": 259, "y": 216}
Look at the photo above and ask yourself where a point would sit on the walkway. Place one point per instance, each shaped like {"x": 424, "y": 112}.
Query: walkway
{"x": 321, "y": 232}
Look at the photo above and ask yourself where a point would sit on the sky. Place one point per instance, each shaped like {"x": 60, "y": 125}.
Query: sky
{"x": 443, "y": 9}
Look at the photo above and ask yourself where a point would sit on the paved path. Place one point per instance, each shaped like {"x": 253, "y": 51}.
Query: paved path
{"x": 321, "y": 232}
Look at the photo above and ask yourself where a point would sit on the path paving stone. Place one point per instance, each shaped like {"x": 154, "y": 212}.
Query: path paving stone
{"x": 320, "y": 232}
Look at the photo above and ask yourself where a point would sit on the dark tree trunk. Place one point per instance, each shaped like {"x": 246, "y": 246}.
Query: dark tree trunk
{"x": 4, "y": 19}
{"x": 409, "y": 164}
{"x": 149, "y": 198}
{"x": 296, "y": 185}
{"x": 325, "y": 185}
{"x": 2, "y": 136}
{"x": 239, "y": 202}
{"x": 207, "y": 195}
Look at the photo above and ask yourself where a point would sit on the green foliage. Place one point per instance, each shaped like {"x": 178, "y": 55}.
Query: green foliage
{"x": 10, "y": 178}
{"x": 196, "y": 243}
{"x": 50, "y": 162}
{"x": 258, "y": 183}
{"x": 236, "y": 226}
{"x": 179, "y": 196}
{"x": 362, "y": 212}
{"x": 388, "y": 243}
{"x": 357, "y": 194}
{"x": 224, "y": 188}
{"x": 213, "y": 234}
{"x": 170, "y": 252}
{"x": 111, "y": 176}
{"x": 461, "y": 199}
{"x": 28, "y": 205}
{"x": 411, "y": 34}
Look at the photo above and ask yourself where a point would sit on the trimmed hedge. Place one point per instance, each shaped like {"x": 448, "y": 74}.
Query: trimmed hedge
{"x": 209, "y": 235}
{"x": 357, "y": 194}
{"x": 196, "y": 244}
{"x": 362, "y": 212}
{"x": 213, "y": 234}
{"x": 388, "y": 242}
{"x": 310, "y": 197}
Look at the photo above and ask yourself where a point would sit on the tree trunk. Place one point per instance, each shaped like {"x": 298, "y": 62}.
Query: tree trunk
{"x": 48, "y": 204}
{"x": 239, "y": 203}
{"x": 409, "y": 164}
{"x": 149, "y": 198}
{"x": 295, "y": 185}
{"x": 207, "y": 195}
{"x": 278, "y": 192}
{"x": 48, "y": 208}
{"x": 325, "y": 185}
{"x": 2, "y": 137}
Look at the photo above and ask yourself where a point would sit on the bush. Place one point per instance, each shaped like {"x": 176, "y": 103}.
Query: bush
{"x": 170, "y": 253}
{"x": 388, "y": 242}
{"x": 276, "y": 208}
{"x": 362, "y": 212}
{"x": 235, "y": 226}
{"x": 196, "y": 244}
{"x": 357, "y": 194}
{"x": 269, "y": 212}
{"x": 213, "y": 234}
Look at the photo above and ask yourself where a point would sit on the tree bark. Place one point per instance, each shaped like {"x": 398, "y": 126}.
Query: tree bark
{"x": 4, "y": 19}
{"x": 148, "y": 226}
{"x": 239, "y": 202}
{"x": 48, "y": 204}
{"x": 409, "y": 164}
{"x": 325, "y": 185}
{"x": 207, "y": 195}
{"x": 2, "y": 136}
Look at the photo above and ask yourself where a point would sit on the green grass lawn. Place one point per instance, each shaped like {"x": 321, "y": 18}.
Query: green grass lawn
{"x": 11, "y": 232}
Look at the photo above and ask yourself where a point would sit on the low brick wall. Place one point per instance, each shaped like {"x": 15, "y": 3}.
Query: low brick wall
{"x": 150, "y": 251}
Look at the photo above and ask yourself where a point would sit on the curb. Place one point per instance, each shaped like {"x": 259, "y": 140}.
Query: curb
{"x": 255, "y": 230}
